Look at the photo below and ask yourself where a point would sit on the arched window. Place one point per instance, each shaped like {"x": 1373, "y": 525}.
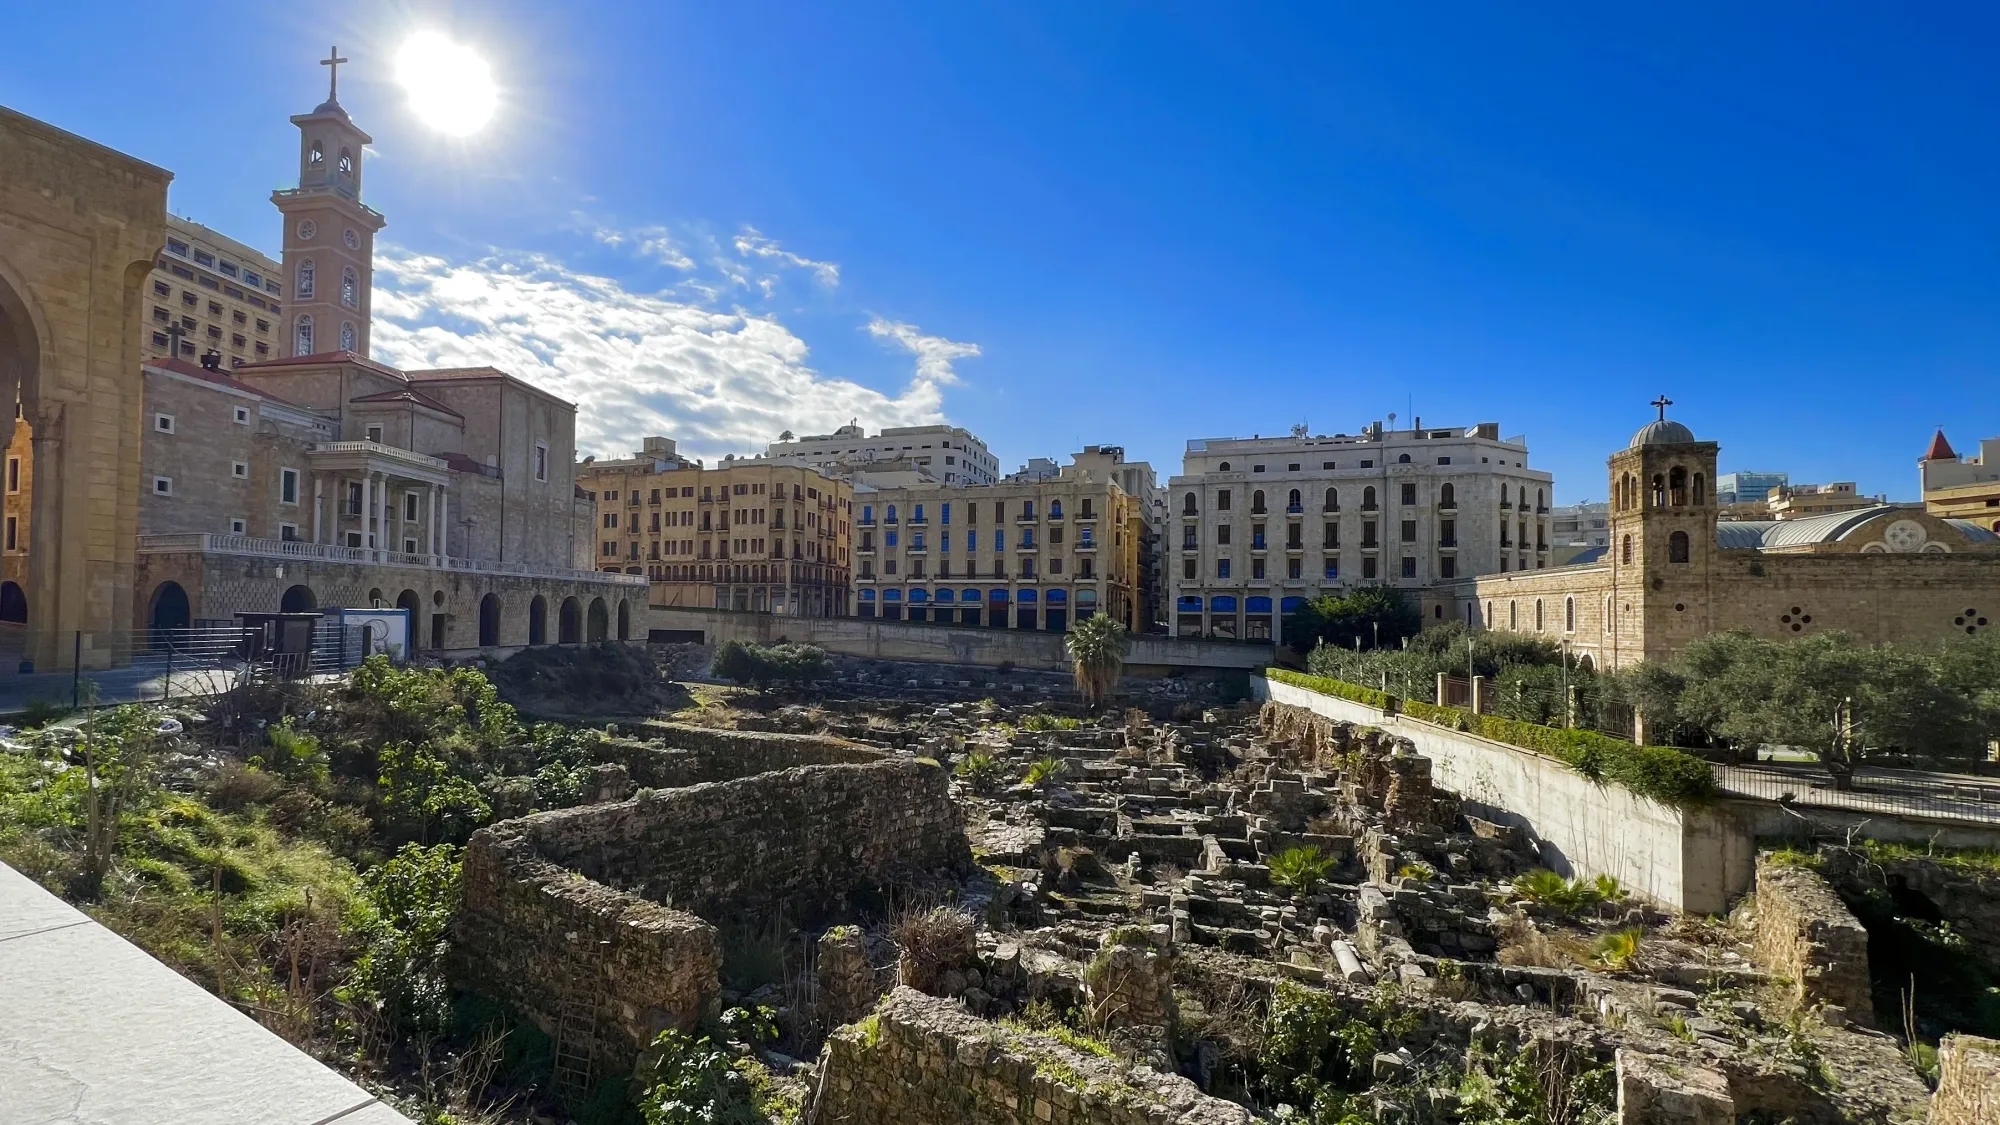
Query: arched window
{"x": 1188, "y": 505}
{"x": 1224, "y": 467}
{"x": 1521, "y": 501}
{"x": 1489, "y": 614}
{"x": 350, "y": 288}
{"x": 1538, "y": 615}
{"x": 1659, "y": 498}
{"x": 1677, "y": 486}
{"x": 1569, "y": 615}
{"x": 317, "y": 156}
{"x": 1700, "y": 490}
{"x": 347, "y": 335}
{"x": 1540, "y": 502}
{"x": 1677, "y": 547}
{"x": 892, "y": 513}
{"x": 1625, "y": 551}
{"x": 1513, "y": 615}
{"x": 1368, "y": 499}
{"x": 1403, "y": 460}
{"x": 346, "y": 165}
{"x": 304, "y": 346}
{"x": 1333, "y": 500}
{"x": 1447, "y": 497}
{"x": 1257, "y": 501}
{"x": 1292, "y": 503}
{"x": 1055, "y": 509}
{"x": 306, "y": 279}
{"x": 1609, "y": 620}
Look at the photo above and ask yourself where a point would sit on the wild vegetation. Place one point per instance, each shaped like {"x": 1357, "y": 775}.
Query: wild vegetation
{"x": 1097, "y": 648}
{"x": 766, "y": 666}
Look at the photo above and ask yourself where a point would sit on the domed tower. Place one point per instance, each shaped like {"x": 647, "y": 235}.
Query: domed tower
{"x": 1662, "y": 550}
{"x": 329, "y": 233}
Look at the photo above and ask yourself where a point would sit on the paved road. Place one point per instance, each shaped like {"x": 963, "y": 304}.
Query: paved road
{"x": 135, "y": 684}
{"x": 1949, "y": 796}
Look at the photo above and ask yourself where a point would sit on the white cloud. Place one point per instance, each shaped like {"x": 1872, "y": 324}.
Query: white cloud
{"x": 935, "y": 354}
{"x": 718, "y": 381}
{"x": 655, "y": 243}
{"x": 752, "y": 241}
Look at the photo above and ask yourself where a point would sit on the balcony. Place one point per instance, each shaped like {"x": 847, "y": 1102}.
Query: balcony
{"x": 1294, "y": 547}
{"x": 1088, "y": 545}
{"x": 1086, "y": 514}
{"x": 1541, "y": 509}
{"x": 1026, "y": 520}
{"x": 916, "y": 549}
{"x": 1190, "y": 548}
{"x": 1370, "y": 545}
{"x": 1258, "y": 546}
{"x": 1448, "y": 543}
{"x": 1027, "y": 576}
{"x": 866, "y": 521}
{"x": 864, "y": 550}
{"x": 244, "y": 546}
{"x": 1027, "y": 546}
{"x": 918, "y": 521}
{"x": 1295, "y": 509}
{"x": 1332, "y": 508}
{"x": 1505, "y": 506}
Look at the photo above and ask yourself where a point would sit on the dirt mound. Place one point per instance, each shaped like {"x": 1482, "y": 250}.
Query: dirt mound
{"x": 586, "y": 680}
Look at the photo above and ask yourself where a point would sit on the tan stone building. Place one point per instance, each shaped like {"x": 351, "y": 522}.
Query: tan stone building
{"x": 749, "y": 534}
{"x": 1962, "y": 488}
{"x": 80, "y": 229}
{"x": 211, "y": 292}
{"x": 1039, "y": 554}
{"x": 1797, "y": 501}
{"x": 1674, "y": 572}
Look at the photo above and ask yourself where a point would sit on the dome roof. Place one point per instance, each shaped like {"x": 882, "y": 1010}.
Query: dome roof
{"x": 1662, "y": 431}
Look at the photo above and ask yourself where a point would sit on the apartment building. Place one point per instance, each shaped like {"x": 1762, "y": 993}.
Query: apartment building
{"x": 1266, "y": 523}
{"x": 1962, "y": 488}
{"x": 1797, "y": 501}
{"x": 949, "y": 455}
{"x": 209, "y": 292}
{"x": 748, "y": 535}
{"x": 1578, "y": 530}
{"x": 1038, "y": 554}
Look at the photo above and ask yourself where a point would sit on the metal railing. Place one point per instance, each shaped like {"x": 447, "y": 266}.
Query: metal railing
{"x": 377, "y": 449}
{"x": 214, "y": 543}
{"x": 1937, "y": 796}
{"x": 203, "y": 659}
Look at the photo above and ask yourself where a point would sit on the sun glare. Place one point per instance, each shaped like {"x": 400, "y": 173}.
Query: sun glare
{"x": 451, "y": 88}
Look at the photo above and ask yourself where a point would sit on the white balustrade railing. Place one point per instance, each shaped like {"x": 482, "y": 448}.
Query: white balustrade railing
{"x": 377, "y": 449}
{"x": 211, "y": 543}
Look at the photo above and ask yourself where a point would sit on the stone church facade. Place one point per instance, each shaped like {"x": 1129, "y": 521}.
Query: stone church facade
{"x": 1673, "y": 571}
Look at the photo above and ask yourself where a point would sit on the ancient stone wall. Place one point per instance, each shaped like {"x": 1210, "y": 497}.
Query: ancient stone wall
{"x": 672, "y": 755}
{"x": 540, "y": 938}
{"x": 1968, "y": 1090}
{"x": 919, "y": 1060}
{"x": 1805, "y": 934}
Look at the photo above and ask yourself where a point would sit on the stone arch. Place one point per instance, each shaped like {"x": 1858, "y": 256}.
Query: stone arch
{"x": 569, "y": 623}
{"x": 598, "y": 626}
{"x": 413, "y": 602}
{"x": 1677, "y": 486}
{"x": 375, "y": 597}
{"x": 298, "y": 599}
{"x": 624, "y": 620}
{"x": 1584, "y": 663}
{"x": 1188, "y": 505}
{"x": 168, "y": 608}
{"x": 1677, "y": 547}
{"x": 538, "y": 621}
{"x": 13, "y": 603}
{"x": 489, "y": 621}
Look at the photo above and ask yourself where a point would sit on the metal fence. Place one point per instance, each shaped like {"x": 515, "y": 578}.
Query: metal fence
{"x": 204, "y": 659}
{"x": 1938, "y": 796}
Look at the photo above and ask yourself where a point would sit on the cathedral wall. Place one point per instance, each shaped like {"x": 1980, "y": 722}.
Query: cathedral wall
{"x": 1919, "y": 598}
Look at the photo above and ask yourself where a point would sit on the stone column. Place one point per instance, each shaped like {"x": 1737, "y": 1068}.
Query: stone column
{"x": 367, "y": 507}
{"x": 319, "y": 506}
{"x": 444, "y": 521}
{"x": 1277, "y": 619}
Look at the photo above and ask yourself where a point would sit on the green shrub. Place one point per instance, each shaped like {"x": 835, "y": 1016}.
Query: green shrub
{"x": 1039, "y": 721}
{"x": 979, "y": 768}
{"x": 1044, "y": 771}
{"x": 1301, "y": 869}
{"x": 1660, "y": 773}
{"x": 1568, "y": 896}
{"x": 411, "y": 898}
{"x": 1619, "y": 949}
{"x": 40, "y": 713}
{"x": 765, "y": 666}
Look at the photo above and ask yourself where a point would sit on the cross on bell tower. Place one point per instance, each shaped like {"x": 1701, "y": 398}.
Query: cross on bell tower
{"x": 332, "y": 62}
{"x": 1662, "y": 403}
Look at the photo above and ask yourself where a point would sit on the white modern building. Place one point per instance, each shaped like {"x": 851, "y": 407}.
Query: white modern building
{"x": 951, "y": 455}
{"x": 1264, "y": 523}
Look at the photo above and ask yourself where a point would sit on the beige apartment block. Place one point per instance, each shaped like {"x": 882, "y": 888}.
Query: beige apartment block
{"x": 80, "y": 228}
{"x": 209, "y": 292}
{"x": 1673, "y": 571}
{"x": 949, "y": 455}
{"x": 1267, "y": 523}
{"x": 1797, "y": 501}
{"x": 748, "y": 535}
{"x": 1962, "y": 488}
{"x": 1039, "y": 554}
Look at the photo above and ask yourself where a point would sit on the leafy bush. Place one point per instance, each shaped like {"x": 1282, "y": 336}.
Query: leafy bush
{"x": 411, "y": 897}
{"x": 40, "y": 713}
{"x": 1041, "y": 721}
{"x": 1372, "y": 615}
{"x": 764, "y": 666}
{"x": 1567, "y": 896}
{"x": 1044, "y": 771}
{"x": 706, "y": 1079}
{"x": 979, "y": 768}
{"x": 1354, "y": 693}
{"x": 1301, "y": 869}
{"x": 1619, "y": 949}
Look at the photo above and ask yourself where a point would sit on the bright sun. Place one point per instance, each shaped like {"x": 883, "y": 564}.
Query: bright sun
{"x": 451, "y": 88}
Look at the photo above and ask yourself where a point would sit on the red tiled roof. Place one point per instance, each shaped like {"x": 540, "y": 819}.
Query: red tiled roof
{"x": 220, "y": 378}
{"x": 1940, "y": 449}
{"x": 418, "y": 397}
{"x": 327, "y": 357}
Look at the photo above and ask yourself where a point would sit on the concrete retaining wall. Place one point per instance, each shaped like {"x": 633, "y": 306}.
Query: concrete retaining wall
{"x": 1692, "y": 860}
{"x": 948, "y": 644}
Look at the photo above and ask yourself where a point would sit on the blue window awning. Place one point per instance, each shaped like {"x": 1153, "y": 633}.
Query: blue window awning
{"x": 867, "y": 595}
{"x": 1290, "y": 604}
{"x": 1025, "y": 596}
{"x": 892, "y": 595}
{"x": 1257, "y": 604}
{"x": 944, "y": 595}
{"x": 1223, "y": 603}
{"x": 1189, "y": 603}
{"x": 1058, "y": 597}
{"x": 920, "y": 595}
{"x": 998, "y": 596}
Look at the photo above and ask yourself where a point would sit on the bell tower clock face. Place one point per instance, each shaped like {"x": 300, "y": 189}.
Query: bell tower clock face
{"x": 307, "y": 230}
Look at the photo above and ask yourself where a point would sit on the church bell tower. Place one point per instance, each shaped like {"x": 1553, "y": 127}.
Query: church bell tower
{"x": 329, "y": 233}
{"x": 1663, "y": 540}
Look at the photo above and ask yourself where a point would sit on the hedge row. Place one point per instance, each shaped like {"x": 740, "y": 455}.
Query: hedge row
{"x": 1662, "y": 773}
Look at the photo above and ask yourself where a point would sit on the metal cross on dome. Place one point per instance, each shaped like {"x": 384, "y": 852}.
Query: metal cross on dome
{"x": 332, "y": 62}
{"x": 1662, "y": 402}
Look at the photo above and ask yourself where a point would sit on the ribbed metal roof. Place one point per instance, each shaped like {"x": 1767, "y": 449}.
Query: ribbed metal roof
{"x": 1763, "y": 535}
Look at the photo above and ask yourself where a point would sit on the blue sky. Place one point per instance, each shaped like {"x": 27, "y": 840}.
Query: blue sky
{"x": 1127, "y": 223}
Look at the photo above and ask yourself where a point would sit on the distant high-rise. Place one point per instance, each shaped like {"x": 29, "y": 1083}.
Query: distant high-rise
{"x": 950, "y": 455}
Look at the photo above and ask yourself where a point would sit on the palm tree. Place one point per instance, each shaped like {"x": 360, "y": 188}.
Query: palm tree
{"x": 1097, "y": 648}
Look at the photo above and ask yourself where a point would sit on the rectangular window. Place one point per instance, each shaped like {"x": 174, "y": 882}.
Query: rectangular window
{"x": 240, "y": 470}
{"x": 163, "y": 423}
{"x": 13, "y": 533}
{"x": 1187, "y": 569}
{"x": 13, "y": 474}
{"x": 1409, "y": 494}
{"x": 238, "y": 525}
{"x": 375, "y": 434}
{"x": 163, "y": 486}
{"x": 1292, "y": 568}
{"x": 1222, "y": 568}
{"x": 1409, "y": 567}
{"x": 1332, "y": 569}
{"x": 1409, "y": 531}
{"x": 541, "y": 461}
{"x": 242, "y": 415}
{"x": 1222, "y": 534}
{"x": 288, "y": 486}
{"x": 1257, "y": 568}
{"x": 1222, "y": 500}
{"x": 1368, "y": 568}
{"x": 1448, "y": 567}
{"x": 409, "y": 507}
{"x": 409, "y": 546}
